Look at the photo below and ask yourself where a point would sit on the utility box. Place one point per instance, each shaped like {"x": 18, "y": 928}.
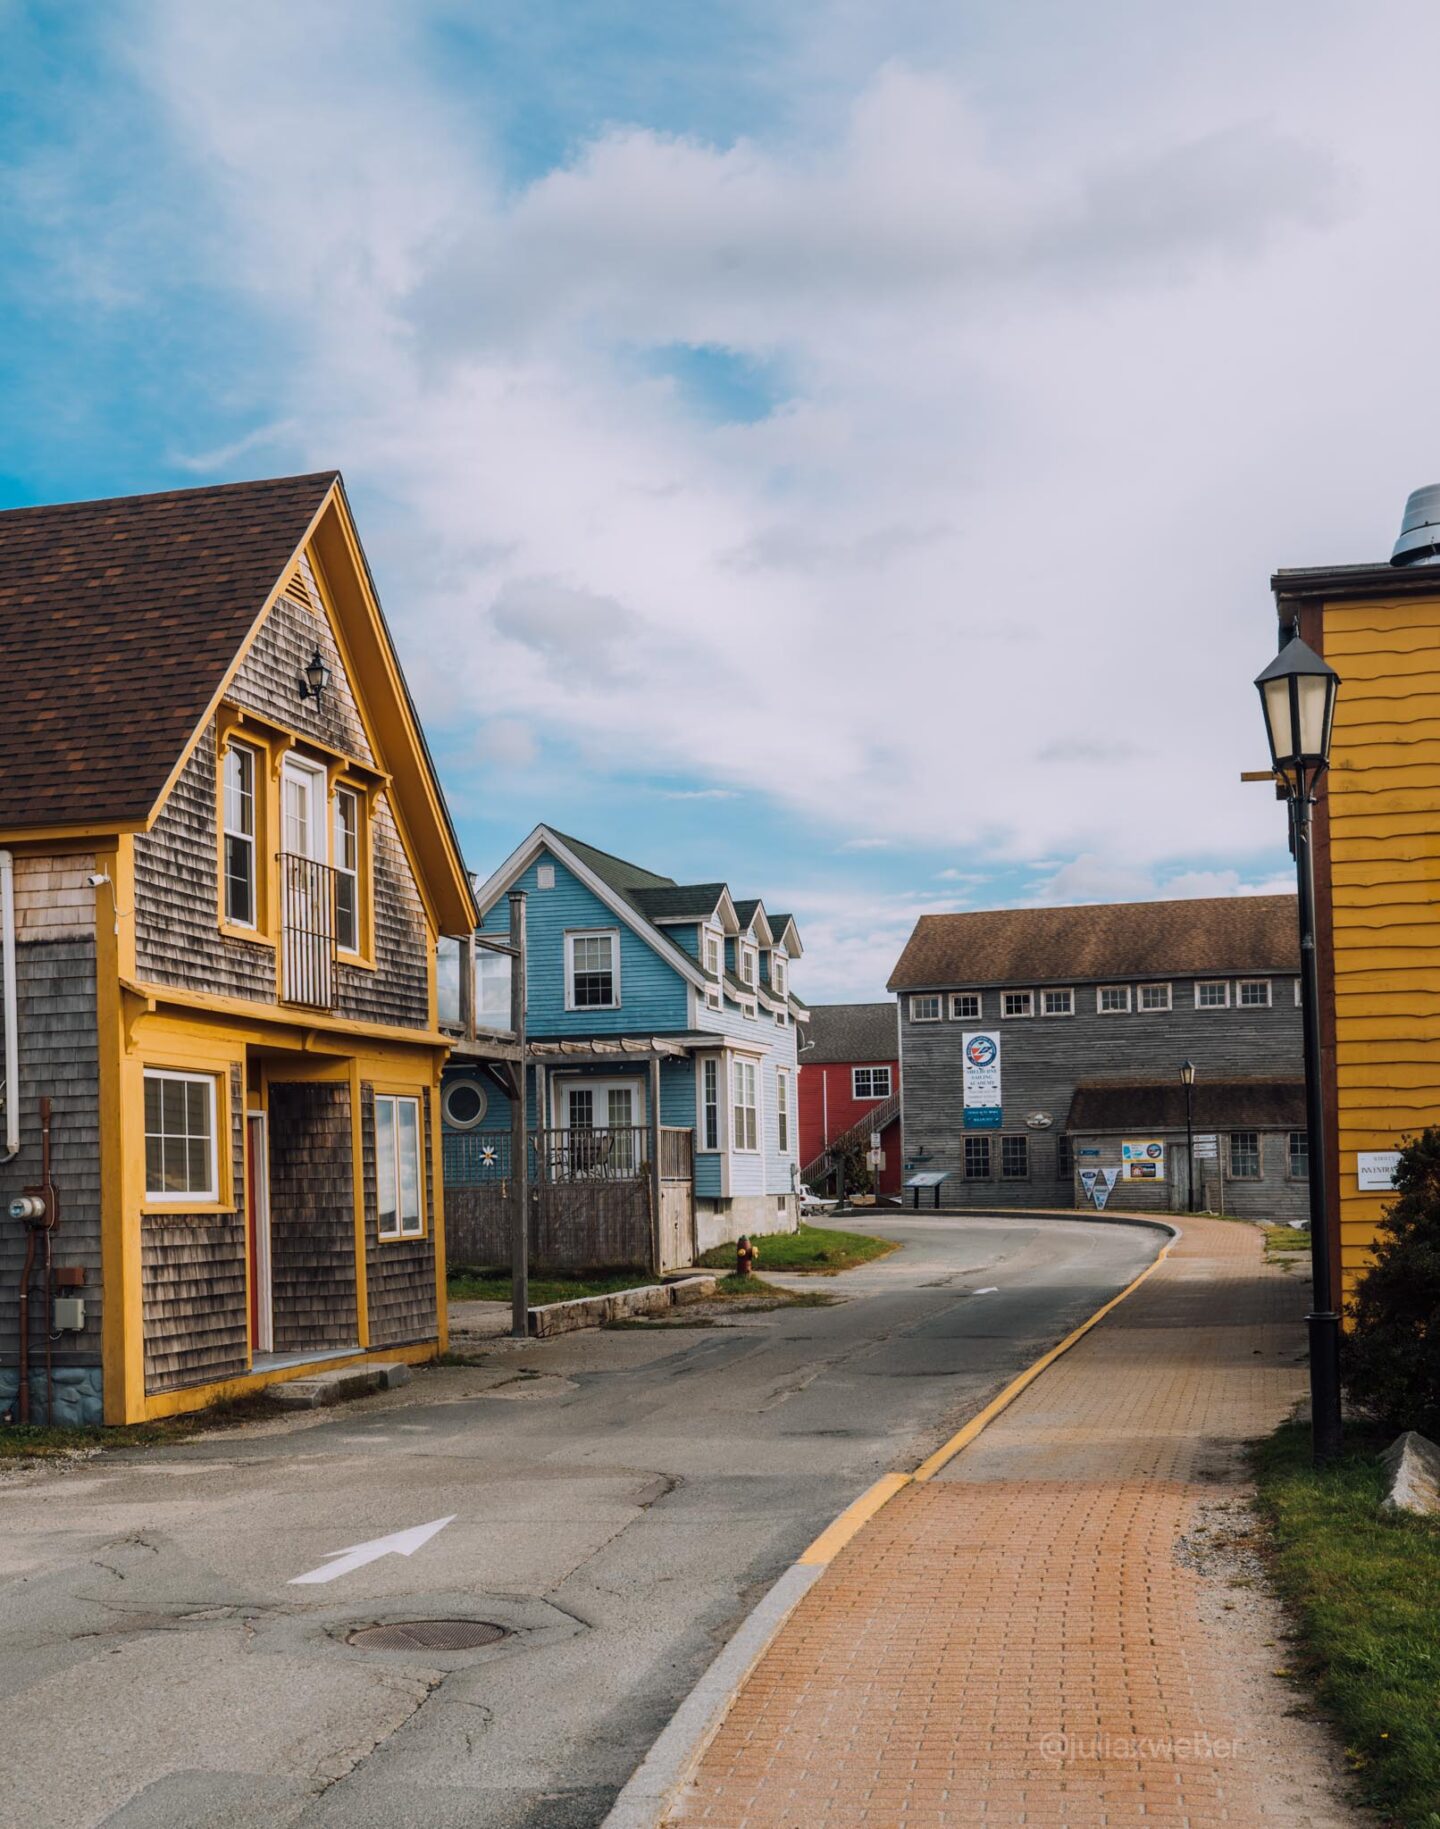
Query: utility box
{"x": 69, "y": 1314}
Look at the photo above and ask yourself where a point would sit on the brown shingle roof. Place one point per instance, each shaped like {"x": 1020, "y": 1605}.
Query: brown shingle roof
{"x": 842, "y": 1032}
{"x": 1023, "y": 946}
{"x": 1140, "y": 1105}
{"x": 118, "y": 621}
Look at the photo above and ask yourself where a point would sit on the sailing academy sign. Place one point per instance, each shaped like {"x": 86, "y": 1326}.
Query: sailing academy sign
{"x": 982, "y": 1080}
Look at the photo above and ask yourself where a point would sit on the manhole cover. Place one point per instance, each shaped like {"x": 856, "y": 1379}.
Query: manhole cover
{"x": 427, "y": 1635}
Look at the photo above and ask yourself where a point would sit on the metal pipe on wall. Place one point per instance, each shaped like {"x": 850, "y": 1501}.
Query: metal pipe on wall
{"x": 9, "y": 973}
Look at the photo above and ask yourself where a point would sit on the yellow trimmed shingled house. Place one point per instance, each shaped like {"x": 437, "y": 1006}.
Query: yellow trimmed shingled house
{"x": 1377, "y": 871}
{"x": 225, "y": 862}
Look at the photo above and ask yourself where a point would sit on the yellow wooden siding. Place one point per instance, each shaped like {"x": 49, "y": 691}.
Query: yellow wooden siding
{"x": 1384, "y": 797}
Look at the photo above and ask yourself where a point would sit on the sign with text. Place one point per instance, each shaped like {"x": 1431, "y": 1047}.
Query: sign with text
{"x": 1143, "y": 1160}
{"x": 1207, "y": 1146}
{"x": 1088, "y": 1178}
{"x": 1101, "y": 1195}
{"x": 981, "y": 1054}
{"x": 1375, "y": 1169}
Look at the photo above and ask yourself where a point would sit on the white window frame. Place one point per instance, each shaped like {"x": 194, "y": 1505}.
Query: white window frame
{"x": 352, "y": 873}
{"x": 710, "y": 1069}
{"x": 777, "y": 974}
{"x": 1224, "y": 984}
{"x": 1102, "y": 991}
{"x": 782, "y": 1111}
{"x": 188, "y": 1197}
{"x": 250, "y": 838}
{"x": 1154, "y": 1009}
{"x": 926, "y": 997}
{"x": 745, "y": 1105}
{"x": 1017, "y": 1015}
{"x": 406, "y": 1225}
{"x": 959, "y": 1015}
{"x": 879, "y": 1067}
{"x": 747, "y": 964}
{"x": 612, "y": 934}
{"x": 1054, "y": 991}
{"x": 712, "y": 940}
{"x": 1297, "y": 993}
{"x": 1241, "y": 1002}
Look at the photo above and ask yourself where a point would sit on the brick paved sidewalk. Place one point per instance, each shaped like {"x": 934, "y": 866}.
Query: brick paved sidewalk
{"x": 1018, "y": 1641}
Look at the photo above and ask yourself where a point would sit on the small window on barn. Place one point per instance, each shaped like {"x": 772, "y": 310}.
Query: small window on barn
{"x": 1244, "y": 1155}
{"x": 1113, "y": 999}
{"x": 924, "y": 1009}
{"x": 1299, "y": 1155}
{"x": 1154, "y": 996}
{"x": 1057, "y": 1003}
{"x": 1017, "y": 1003}
{"x": 1212, "y": 994}
{"x": 977, "y": 1158}
{"x": 965, "y": 1006}
{"x": 1253, "y": 993}
{"x": 1014, "y": 1158}
{"x": 870, "y": 1082}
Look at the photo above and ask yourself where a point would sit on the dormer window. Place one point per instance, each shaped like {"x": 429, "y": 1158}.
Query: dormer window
{"x": 777, "y": 973}
{"x": 713, "y": 953}
{"x": 749, "y": 964}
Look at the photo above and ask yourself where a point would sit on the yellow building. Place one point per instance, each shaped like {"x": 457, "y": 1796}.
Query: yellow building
{"x": 1377, "y": 863}
{"x": 225, "y": 862}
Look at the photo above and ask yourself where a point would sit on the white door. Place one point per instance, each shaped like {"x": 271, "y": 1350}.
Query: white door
{"x": 306, "y": 886}
{"x": 609, "y": 1107}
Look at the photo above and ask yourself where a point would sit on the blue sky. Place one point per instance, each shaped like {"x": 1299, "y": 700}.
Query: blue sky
{"x": 841, "y": 448}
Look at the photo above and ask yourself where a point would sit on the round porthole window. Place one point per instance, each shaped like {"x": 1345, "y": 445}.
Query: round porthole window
{"x": 464, "y": 1103}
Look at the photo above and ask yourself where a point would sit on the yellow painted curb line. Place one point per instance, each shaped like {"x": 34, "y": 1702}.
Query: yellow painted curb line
{"x": 836, "y": 1535}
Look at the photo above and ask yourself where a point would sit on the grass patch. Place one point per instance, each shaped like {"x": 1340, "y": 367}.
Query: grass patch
{"x": 750, "y": 1294}
{"x": 1364, "y": 1590}
{"x": 38, "y": 1442}
{"x": 814, "y": 1248}
{"x": 1284, "y": 1242}
{"x": 494, "y": 1285}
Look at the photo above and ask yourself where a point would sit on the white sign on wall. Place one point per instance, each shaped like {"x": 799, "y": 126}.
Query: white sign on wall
{"x": 980, "y": 1052}
{"x": 1375, "y": 1170}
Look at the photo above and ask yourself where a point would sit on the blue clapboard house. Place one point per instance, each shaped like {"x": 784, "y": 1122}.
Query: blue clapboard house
{"x": 660, "y": 1067}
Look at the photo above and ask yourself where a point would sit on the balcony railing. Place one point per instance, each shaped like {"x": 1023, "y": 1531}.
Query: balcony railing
{"x": 307, "y": 914}
{"x": 473, "y": 988}
{"x": 615, "y": 1153}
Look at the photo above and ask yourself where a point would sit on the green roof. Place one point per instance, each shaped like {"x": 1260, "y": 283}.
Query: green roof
{"x": 695, "y": 901}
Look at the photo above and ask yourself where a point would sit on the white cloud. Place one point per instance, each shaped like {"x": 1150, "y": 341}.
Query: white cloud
{"x": 699, "y": 793}
{"x": 867, "y": 844}
{"x": 1077, "y": 349}
{"x": 1090, "y": 878}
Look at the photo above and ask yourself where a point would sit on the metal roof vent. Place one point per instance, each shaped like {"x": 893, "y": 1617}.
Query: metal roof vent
{"x": 1419, "y": 542}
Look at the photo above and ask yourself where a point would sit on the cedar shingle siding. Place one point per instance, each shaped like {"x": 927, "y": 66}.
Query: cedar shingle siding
{"x": 192, "y": 1282}
{"x": 312, "y": 1217}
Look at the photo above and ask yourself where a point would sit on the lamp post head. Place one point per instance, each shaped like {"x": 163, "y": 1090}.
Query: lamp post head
{"x": 1187, "y": 1072}
{"x": 1297, "y": 691}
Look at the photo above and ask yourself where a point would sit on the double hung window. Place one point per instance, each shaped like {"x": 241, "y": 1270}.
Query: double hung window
{"x": 710, "y": 1103}
{"x": 746, "y": 1127}
{"x": 1014, "y": 1158}
{"x": 347, "y": 870}
{"x": 870, "y": 1082}
{"x": 181, "y": 1163}
{"x": 782, "y": 1112}
{"x": 965, "y": 1006}
{"x": 397, "y": 1167}
{"x": 977, "y": 1158}
{"x": 1112, "y": 999}
{"x": 1154, "y": 996}
{"x": 924, "y": 1009}
{"x": 1057, "y": 1003}
{"x": 239, "y": 831}
{"x": 593, "y": 975}
{"x": 1017, "y": 1003}
{"x": 1244, "y": 1155}
{"x": 1299, "y": 1155}
{"x": 1253, "y": 993}
{"x": 1212, "y": 994}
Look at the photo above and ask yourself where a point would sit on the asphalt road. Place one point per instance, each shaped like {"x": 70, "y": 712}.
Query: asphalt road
{"x": 619, "y": 1501}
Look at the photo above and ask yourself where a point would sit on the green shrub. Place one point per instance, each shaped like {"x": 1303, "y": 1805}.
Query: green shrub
{"x": 1392, "y": 1355}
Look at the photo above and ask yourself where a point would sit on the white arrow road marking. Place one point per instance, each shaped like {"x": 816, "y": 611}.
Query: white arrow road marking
{"x": 992, "y": 1290}
{"x": 399, "y": 1543}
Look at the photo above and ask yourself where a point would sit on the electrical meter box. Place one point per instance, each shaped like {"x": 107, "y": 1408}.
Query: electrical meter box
{"x": 69, "y": 1314}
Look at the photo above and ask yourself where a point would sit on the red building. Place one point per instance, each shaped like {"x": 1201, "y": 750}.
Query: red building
{"x": 849, "y": 1087}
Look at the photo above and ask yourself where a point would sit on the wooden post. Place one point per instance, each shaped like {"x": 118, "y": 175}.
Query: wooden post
{"x": 656, "y": 1227}
{"x": 467, "y": 987}
{"x": 519, "y": 1156}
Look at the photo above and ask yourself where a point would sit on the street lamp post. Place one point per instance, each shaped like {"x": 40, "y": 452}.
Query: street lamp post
{"x": 1298, "y": 691}
{"x": 1187, "y": 1078}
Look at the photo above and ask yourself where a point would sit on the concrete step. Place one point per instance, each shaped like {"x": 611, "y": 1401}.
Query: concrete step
{"x": 323, "y": 1388}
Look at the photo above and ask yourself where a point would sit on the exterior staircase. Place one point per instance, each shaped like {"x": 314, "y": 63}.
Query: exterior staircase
{"x": 876, "y": 1118}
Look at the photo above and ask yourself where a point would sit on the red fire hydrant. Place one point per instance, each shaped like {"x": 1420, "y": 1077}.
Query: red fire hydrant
{"x": 745, "y": 1256}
